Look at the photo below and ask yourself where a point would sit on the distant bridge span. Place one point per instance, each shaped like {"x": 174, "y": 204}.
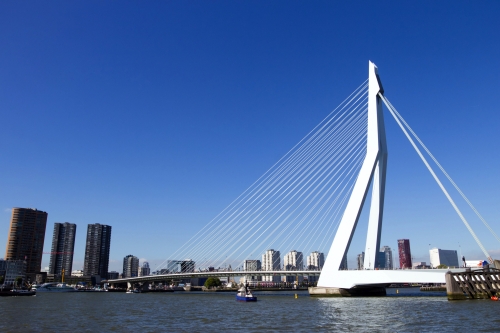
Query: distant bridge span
{"x": 191, "y": 275}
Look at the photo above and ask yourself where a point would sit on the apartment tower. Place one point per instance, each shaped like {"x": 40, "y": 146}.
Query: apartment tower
{"x": 404, "y": 253}
{"x": 63, "y": 245}
{"x": 26, "y": 237}
{"x": 271, "y": 262}
{"x": 130, "y": 266}
{"x": 97, "y": 250}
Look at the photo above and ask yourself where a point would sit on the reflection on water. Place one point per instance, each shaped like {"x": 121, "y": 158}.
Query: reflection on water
{"x": 275, "y": 311}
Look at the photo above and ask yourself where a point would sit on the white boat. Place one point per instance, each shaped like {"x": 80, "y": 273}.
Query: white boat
{"x": 55, "y": 287}
{"x": 245, "y": 295}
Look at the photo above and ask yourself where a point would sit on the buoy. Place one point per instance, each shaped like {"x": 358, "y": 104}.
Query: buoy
{"x": 296, "y": 296}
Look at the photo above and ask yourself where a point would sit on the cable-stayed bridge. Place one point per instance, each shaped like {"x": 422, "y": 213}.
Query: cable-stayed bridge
{"x": 311, "y": 200}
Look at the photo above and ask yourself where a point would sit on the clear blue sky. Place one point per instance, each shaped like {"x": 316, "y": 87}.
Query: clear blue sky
{"x": 153, "y": 116}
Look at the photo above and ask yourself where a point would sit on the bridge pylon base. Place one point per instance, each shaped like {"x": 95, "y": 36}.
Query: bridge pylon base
{"x": 341, "y": 292}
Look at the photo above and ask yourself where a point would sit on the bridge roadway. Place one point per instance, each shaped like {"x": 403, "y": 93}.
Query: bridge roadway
{"x": 191, "y": 275}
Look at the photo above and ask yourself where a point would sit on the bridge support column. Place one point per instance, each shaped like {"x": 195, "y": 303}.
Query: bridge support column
{"x": 129, "y": 285}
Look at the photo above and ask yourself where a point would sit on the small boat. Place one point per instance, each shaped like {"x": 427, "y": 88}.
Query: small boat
{"x": 245, "y": 295}
{"x": 129, "y": 291}
{"x": 17, "y": 292}
{"x": 55, "y": 287}
{"x": 494, "y": 298}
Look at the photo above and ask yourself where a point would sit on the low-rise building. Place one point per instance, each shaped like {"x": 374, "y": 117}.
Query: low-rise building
{"x": 11, "y": 270}
{"x": 448, "y": 258}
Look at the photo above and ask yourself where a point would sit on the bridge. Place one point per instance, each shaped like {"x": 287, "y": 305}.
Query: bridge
{"x": 312, "y": 197}
{"x": 194, "y": 275}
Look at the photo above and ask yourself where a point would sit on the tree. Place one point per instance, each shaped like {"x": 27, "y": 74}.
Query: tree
{"x": 442, "y": 266}
{"x": 2, "y": 279}
{"x": 212, "y": 282}
{"x": 18, "y": 281}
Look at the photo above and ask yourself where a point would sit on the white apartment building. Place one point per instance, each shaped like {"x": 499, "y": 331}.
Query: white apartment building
{"x": 271, "y": 262}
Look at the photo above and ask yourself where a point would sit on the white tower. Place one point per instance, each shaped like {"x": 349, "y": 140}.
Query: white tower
{"x": 373, "y": 169}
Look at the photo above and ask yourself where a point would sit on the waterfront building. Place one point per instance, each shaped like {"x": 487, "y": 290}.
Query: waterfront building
{"x": 293, "y": 261}
{"x": 63, "y": 245}
{"x": 420, "y": 265}
{"x": 252, "y": 265}
{"x": 271, "y": 262}
{"x": 173, "y": 266}
{"x": 361, "y": 261}
{"x": 388, "y": 262}
{"x": 187, "y": 266}
{"x": 380, "y": 263}
{"x": 11, "y": 270}
{"x": 443, "y": 257}
{"x": 315, "y": 261}
{"x": 26, "y": 237}
{"x": 144, "y": 270}
{"x": 343, "y": 264}
{"x": 404, "y": 253}
{"x": 113, "y": 275}
{"x": 130, "y": 266}
{"x": 97, "y": 250}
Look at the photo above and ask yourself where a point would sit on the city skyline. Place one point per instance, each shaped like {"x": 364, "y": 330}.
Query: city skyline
{"x": 164, "y": 128}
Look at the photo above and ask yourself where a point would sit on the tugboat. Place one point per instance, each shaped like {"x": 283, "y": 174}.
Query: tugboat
{"x": 245, "y": 295}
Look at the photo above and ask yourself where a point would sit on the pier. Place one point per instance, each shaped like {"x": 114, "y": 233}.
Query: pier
{"x": 477, "y": 284}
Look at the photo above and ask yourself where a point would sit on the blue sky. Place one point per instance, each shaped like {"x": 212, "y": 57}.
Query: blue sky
{"x": 153, "y": 116}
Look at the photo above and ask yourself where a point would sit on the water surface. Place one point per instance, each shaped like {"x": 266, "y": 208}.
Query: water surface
{"x": 274, "y": 312}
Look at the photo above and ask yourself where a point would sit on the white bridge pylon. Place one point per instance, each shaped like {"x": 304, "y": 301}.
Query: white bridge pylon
{"x": 373, "y": 169}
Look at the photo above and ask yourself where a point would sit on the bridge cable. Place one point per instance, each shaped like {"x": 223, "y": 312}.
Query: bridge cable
{"x": 389, "y": 106}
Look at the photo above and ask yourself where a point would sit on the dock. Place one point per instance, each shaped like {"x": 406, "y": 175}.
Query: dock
{"x": 469, "y": 284}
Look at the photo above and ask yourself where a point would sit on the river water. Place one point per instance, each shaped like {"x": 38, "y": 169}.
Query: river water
{"x": 406, "y": 311}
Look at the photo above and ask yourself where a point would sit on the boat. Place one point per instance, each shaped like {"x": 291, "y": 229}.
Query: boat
{"x": 245, "y": 295}
{"x": 17, "y": 292}
{"x": 55, "y": 287}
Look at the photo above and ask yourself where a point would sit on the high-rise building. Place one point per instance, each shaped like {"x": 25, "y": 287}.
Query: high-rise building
{"x": 388, "y": 262}
{"x": 113, "y": 275}
{"x": 404, "y": 253}
{"x": 361, "y": 261}
{"x": 97, "y": 250}
{"x": 271, "y": 262}
{"x": 130, "y": 266}
{"x": 144, "y": 270}
{"x": 252, "y": 265}
{"x": 187, "y": 266}
{"x": 315, "y": 261}
{"x": 293, "y": 261}
{"x": 343, "y": 264}
{"x": 380, "y": 260}
{"x": 443, "y": 257}
{"x": 26, "y": 237}
{"x": 63, "y": 245}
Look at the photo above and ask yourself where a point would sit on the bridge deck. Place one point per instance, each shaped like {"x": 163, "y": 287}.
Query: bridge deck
{"x": 190, "y": 275}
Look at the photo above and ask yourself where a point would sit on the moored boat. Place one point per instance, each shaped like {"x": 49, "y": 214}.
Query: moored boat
{"x": 55, "y": 287}
{"x": 17, "y": 292}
